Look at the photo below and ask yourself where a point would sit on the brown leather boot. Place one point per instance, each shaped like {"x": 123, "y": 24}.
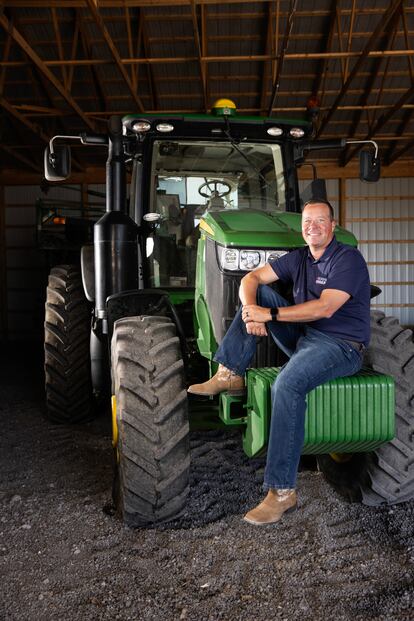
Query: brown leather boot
{"x": 223, "y": 380}
{"x": 271, "y": 509}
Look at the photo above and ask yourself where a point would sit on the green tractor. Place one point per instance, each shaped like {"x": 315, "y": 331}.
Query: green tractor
{"x": 210, "y": 198}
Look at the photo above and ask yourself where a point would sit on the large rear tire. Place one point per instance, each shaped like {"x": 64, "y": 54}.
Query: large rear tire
{"x": 385, "y": 476}
{"x": 152, "y": 429}
{"x": 67, "y": 352}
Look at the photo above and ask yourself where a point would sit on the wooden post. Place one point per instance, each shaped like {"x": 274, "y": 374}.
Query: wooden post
{"x": 342, "y": 202}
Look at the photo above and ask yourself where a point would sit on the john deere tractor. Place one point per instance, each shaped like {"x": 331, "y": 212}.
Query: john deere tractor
{"x": 193, "y": 202}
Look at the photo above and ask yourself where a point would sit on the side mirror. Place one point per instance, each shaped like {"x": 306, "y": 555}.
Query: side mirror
{"x": 57, "y": 164}
{"x": 369, "y": 166}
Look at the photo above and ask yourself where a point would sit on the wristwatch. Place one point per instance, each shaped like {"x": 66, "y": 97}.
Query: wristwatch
{"x": 274, "y": 313}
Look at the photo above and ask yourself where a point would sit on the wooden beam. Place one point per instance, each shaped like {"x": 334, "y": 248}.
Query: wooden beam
{"x": 384, "y": 118}
{"x": 285, "y": 42}
{"x": 75, "y": 41}
{"x": 204, "y": 48}
{"x": 295, "y": 56}
{"x": 130, "y": 45}
{"x": 21, "y": 41}
{"x": 351, "y": 34}
{"x": 201, "y": 64}
{"x": 23, "y": 120}
{"x": 269, "y": 51}
{"x": 388, "y": 158}
{"x": 58, "y": 38}
{"x": 150, "y": 75}
{"x": 115, "y": 54}
{"x": 387, "y": 16}
{"x": 6, "y": 52}
{"x": 24, "y": 160}
{"x": 324, "y": 63}
{"x": 100, "y": 94}
{"x": 386, "y": 41}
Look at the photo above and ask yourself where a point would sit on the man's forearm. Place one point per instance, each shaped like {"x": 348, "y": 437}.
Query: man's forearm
{"x": 307, "y": 311}
{"x": 248, "y": 289}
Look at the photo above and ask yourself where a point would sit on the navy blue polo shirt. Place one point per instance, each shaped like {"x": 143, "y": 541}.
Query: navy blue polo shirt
{"x": 340, "y": 267}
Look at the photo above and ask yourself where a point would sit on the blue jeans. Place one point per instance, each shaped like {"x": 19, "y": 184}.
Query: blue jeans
{"x": 314, "y": 358}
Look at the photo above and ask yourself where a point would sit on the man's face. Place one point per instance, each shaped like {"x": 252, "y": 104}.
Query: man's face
{"x": 317, "y": 226}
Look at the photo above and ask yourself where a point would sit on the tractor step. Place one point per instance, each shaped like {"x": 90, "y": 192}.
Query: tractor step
{"x": 347, "y": 415}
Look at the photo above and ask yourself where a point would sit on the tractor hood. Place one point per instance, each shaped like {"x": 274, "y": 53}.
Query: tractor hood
{"x": 259, "y": 229}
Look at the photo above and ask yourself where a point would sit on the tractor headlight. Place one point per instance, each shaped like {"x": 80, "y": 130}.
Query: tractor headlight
{"x": 230, "y": 259}
{"x": 271, "y": 255}
{"x": 250, "y": 259}
{"x": 245, "y": 259}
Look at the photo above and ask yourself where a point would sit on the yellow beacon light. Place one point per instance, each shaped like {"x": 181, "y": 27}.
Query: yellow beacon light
{"x": 224, "y": 107}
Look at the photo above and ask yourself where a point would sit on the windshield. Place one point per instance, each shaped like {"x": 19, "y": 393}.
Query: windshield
{"x": 191, "y": 178}
{"x": 219, "y": 175}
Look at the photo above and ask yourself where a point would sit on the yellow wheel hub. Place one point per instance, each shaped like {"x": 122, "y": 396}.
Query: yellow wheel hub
{"x": 341, "y": 458}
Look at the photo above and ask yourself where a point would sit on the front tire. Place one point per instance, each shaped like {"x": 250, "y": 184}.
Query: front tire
{"x": 152, "y": 429}
{"x": 67, "y": 353}
{"x": 385, "y": 476}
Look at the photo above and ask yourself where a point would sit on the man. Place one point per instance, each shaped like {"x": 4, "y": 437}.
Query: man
{"x": 324, "y": 334}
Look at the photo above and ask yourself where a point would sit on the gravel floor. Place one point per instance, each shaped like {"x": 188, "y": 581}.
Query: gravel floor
{"x": 63, "y": 556}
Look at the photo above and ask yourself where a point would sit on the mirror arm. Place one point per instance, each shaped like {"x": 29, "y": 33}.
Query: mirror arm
{"x": 86, "y": 139}
{"x": 365, "y": 142}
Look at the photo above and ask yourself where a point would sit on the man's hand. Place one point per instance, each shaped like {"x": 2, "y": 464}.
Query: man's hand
{"x": 254, "y": 313}
{"x": 256, "y": 328}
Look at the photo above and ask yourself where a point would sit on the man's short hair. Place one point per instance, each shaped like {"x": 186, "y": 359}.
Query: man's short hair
{"x": 318, "y": 201}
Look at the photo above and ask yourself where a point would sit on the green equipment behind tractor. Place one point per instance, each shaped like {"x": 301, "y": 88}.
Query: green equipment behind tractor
{"x": 210, "y": 198}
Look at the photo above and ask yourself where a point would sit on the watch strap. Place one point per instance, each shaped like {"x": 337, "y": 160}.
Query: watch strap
{"x": 274, "y": 313}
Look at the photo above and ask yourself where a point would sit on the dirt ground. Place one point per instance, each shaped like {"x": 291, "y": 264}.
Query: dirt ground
{"x": 64, "y": 556}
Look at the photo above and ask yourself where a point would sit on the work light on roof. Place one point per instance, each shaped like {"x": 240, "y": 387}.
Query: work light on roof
{"x": 140, "y": 127}
{"x": 275, "y": 131}
{"x": 165, "y": 128}
{"x": 297, "y": 132}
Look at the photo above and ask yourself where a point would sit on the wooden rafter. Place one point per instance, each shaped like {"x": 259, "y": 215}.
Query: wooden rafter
{"x": 100, "y": 94}
{"x": 269, "y": 51}
{"x": 130, "y": 45}
{"x": 201, "y": 64}
{"x": 21, "y": 41}
{"x": 150, "y": 75}
{"x": 285, "y": 43}
{"x": 204, "y": 48}
{"x": 387, "y": 40}
{"x": 387, "y": 16}
{"x": 408, "y": 95}
{"x": 112, "y": 48}
{"x": 75, "y": 41}
{"x": 18, "y": 156}
{"x": 323, "y": 64}
{"x": 58, "y": 38}
{"x": 389, "y": 156}
{"x": 350, "y": 35}
{"x": 6, "y": 53}
{"x": 22, "y": 119}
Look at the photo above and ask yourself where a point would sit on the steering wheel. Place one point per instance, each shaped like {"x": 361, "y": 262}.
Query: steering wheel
{"x": 212, "y": 186}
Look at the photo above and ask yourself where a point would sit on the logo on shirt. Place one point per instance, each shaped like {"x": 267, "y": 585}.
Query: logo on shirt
{"x": 321, "y": 280}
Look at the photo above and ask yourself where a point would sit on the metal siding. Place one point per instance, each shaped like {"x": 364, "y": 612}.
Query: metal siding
{"x": 25, "y": 264}
{"x": 389, "y": 198}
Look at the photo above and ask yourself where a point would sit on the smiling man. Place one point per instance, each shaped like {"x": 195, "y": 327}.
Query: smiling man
{"x": 324, "y": 333}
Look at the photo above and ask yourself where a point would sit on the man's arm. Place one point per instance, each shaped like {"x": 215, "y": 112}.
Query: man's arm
{"x": 250, "y": 283}
{"x": 248, "y": 291}
{"x": 329, "y": 302}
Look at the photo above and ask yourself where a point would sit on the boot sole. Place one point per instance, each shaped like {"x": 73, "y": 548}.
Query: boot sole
{"x": 290, "y": 510}
{"x": 233, "y": 393}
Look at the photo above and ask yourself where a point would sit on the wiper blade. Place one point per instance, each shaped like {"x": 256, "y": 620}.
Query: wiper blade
{"x": 236, "y": 146}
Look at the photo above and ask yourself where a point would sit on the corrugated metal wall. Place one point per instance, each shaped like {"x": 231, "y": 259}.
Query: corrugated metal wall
{"x": 24, "y": 272}
{"x": 381, "y": 215}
